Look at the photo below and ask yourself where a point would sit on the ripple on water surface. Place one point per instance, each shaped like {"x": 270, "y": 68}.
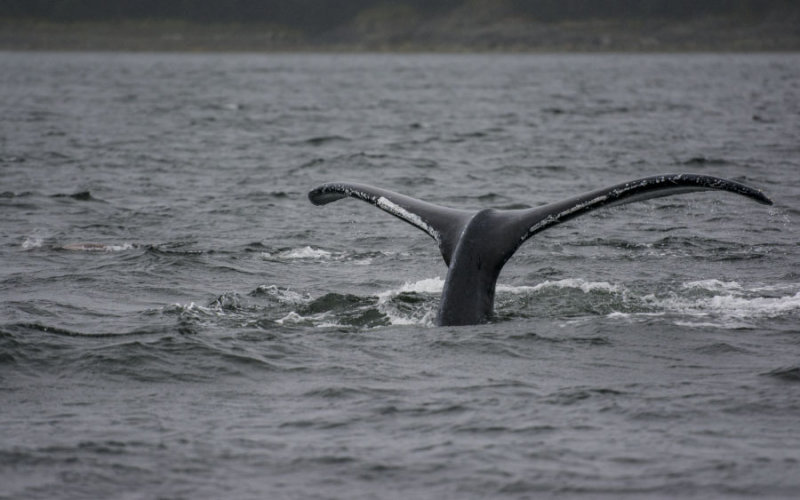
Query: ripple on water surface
{"x": 178, "y": 321}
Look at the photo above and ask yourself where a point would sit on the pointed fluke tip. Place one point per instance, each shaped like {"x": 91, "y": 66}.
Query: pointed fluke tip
{"x": 713, "y": 182}
{"x": 751, "y": 192}
{"x": 326, "y": 193}
{"x": 760, "y": 197}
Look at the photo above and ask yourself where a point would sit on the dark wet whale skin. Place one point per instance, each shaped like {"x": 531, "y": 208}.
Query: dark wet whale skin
{"x": 476, "y": 246}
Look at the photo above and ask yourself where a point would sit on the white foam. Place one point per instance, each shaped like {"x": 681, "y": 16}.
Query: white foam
{"x": 710, "y": 324}
{"x": 98, "y": 247}
{"x": 732, "y": 310}
{"x": 428, "y": 285}
{"x": 120, "y": 248}
{"x": 743, "y": 307}
{"x": 306, "y": 252}
{"x": 284, "y": 295}
{"x": 732, "y": 305}
{"x": 195, "y": 309}
{"x": 400, "y": 320}
{"x": 32, "y": 241}
{"x": 311, "y": 254}
{"x": 576, "y": 283}
{"x": 776, "y": 288}
{"x": 432, "y": 286}
{"x": 317, "y": 320}
{"x": 624, "y": 315}
{"x": 713, "y": 285}
{"x": 292, "y": 318}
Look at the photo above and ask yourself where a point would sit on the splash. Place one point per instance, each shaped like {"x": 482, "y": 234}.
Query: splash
{"x": 428, "y": 285}
{"x": 740, "y": 310}
{"x": 729, "y": 305}
{"x": 281, "y": 295}
{"x": 708, "y": 303}
{"x": 97, "y": 247}
{"x": 698, "y": 303}
{"x": 32, "y": 241}
{"x": 318, "y": 320}
{"x": 306, "y": 252}
{"x": 574, "y": 283}
{"x": 411, "y": 303}
{"x": 713, "y": 285}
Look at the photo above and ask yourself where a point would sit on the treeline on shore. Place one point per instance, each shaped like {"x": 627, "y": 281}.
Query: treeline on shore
{"x": 401, "y": 25}
{"x": 321, "y": 15}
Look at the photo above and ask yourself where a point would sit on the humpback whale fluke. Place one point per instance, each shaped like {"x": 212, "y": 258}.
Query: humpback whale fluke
{"x": 476, "y": 245}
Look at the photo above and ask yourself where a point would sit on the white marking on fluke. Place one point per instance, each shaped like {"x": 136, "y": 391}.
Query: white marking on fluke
{"x": 414, "y": 219}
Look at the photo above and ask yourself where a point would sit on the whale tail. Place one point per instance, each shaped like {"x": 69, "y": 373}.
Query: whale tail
{"x": 442, "y": 224}
{"x": 476, "y": 245}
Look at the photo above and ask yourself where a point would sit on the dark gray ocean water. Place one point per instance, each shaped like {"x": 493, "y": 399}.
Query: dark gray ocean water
{"x": 178, "y": 321}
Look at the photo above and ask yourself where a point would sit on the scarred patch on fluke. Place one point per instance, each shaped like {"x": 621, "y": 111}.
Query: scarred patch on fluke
{"x": 476, "y": 245}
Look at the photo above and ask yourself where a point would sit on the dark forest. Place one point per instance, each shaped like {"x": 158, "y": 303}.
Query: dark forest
{"x": 450, "y": 25}
{"x": 327, "y": 14}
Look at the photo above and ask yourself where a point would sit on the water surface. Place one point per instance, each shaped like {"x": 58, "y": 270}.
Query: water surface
{"x": 177, "y": 321}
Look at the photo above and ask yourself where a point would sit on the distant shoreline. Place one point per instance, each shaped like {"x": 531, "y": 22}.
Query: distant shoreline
{"x": 702, "y": 35}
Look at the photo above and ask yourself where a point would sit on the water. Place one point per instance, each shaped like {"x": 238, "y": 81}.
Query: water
{"x": 178, "y": 321}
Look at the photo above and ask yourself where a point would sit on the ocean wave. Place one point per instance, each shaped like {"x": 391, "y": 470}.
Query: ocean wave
{"x": 306, "y": 252}
{"x": 788, "y": 374}
{"x": 711, "y": 303}
{"x": 71, "y": 331}
{"x": 281, "y": 295}
{"x": 37, "y": 239}
{"x": 98, "y": 247}
{"x": 32, "y": 241}
{"x": 319, "y": 320}
{"x": 726, "y": 311}
{"x": 698, "y": 303}
{"x": 412, "y": 303}
{"x": 712, "y": 285}
{"x": 309, "y": 253}
{"x": 79, "y": 196}
{"x": 571, "y": 283}
{"x": 427, "y": 285}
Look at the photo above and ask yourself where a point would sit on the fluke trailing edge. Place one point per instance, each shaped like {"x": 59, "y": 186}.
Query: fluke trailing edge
{"x": 477, "y": 244}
